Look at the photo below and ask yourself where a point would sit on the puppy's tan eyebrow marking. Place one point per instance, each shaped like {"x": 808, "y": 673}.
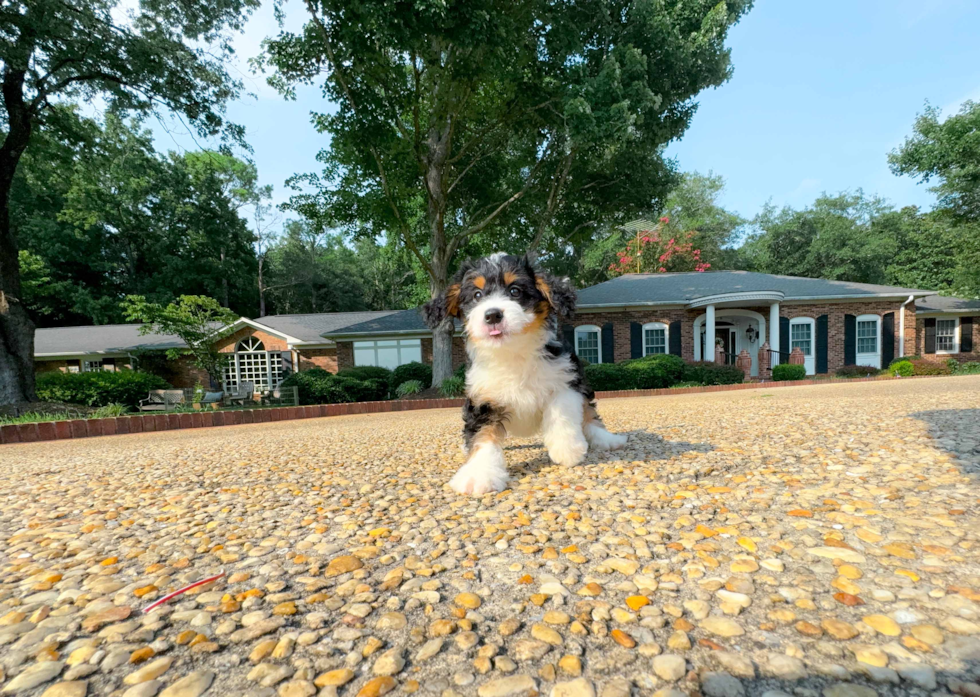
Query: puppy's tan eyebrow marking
{"x": 509, "y": 277}
{"x": 480, "y": 282}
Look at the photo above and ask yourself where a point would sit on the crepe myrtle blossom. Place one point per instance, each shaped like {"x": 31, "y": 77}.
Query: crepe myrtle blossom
{"x": 652, "y": 252}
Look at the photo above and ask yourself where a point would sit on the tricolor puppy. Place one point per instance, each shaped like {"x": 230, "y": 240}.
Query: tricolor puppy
{"x": 520, "y": 380}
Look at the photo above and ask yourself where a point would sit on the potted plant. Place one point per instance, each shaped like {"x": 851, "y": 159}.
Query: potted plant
{"x": 198, "y": 397}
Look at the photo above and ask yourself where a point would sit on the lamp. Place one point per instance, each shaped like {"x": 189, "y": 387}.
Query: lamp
{"x": 750, "y": 334}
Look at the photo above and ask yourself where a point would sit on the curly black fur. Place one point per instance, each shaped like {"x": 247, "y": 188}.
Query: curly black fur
{"x": 478, "y": 417}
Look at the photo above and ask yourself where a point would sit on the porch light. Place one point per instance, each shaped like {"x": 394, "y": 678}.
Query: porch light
{"x": 750, "y": 334}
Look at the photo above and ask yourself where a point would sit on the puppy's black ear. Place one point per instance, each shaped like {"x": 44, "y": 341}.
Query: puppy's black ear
{"x": 558, "y": 292}
{"x": 447, "y": 304}
{"x": 434, "y": 311}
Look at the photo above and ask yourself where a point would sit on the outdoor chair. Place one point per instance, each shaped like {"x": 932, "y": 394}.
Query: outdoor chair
{"x": 161, "y": 400}
{"x": 240, "y": 394}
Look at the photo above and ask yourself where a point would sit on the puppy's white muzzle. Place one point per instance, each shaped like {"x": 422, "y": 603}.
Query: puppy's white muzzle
{"x": 513, "y": 319}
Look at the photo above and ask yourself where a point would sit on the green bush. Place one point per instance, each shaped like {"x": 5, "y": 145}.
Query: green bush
{"x": 409, "y": 387}
{"x": 609, "y": 376}
{"x": 411, "y": 371}
{"x": 786, "y": 371}
{"x": 856, "y": 371}
{"x": 654, "y": 372}
{"x": 317, "y": 386}
{"x": 922, "y": 367}
{"x": 366, "y": 372}
{"x": 902, "y": 369}
{"x": 708, "y": 373}
{"x": 98, "y": 389}
{"x": 902, "y": 359}
{"x": 968, "y": 368}
{"x": 453, "y": 387}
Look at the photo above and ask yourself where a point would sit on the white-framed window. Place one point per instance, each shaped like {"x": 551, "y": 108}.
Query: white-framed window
{"x": 801, "y": 336}
{"x": 655, "y": 338}
{"x": 588, "y": 344}
{"x": 252, "y": 363}
{"x": 92, "y": 366}
{"x": 388, "y": 353}
{"x": 947, "y": 335}
{"x": 869, "y": 340}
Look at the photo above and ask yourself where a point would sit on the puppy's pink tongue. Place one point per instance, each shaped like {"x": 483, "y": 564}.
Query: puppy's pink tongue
{"x": 495, "y": 332}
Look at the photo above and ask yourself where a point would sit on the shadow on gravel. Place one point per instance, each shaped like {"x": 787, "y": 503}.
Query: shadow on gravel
{"x": 957, "y": 432}
{"x": 643, "y": 445}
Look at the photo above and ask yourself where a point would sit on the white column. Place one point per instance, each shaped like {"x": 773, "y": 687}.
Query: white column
{"x": 709, "y": 334}
{"x": 774, "y": 328}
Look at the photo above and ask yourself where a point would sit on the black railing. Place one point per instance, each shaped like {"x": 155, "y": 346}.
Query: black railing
{"x": 730, "y": 358}
{"x": 777, "y": 357}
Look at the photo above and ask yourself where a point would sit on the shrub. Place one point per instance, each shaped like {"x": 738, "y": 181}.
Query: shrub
{"x": 901, "y": 359}
{"x": 453, "y": 387}
{"x": 411, "y": 371}
{"x": 608, "y": 376}
{"x": 653, "y": 372}
{"x": 902, "y": 369}
{"x": 968, "y": 368}
{"x": 786, "y": 371}
{"x": 708, "y": 373}
{"x": 922, "y": 367}
{"x": 409, "y": 387}
{"x": 98, "y": 389}
{"x": 317, "y": 386}
{"x": 856, "y": 371}
{"x": 365, "y": 372}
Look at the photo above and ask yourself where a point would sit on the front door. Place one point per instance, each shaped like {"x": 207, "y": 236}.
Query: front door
{"x": 801, "y": 335}
{"x": 724, "y": 336}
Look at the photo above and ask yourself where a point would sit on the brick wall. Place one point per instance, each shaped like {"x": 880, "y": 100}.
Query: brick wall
{"x": 835, "y": 324}
{"x": 920, "y": 344}
{"x": 325, "y": 358}
{"x": 185, "y": 374}
{"x": 272, "y": 342}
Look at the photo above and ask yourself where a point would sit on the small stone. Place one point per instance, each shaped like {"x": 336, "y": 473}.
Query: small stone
{"x": 74, "y": 688}
{"x": 557, "y": 617}
{"x": 546, "y": 634}
{"x": 509, "y": 626}
{"x": 142, "y": 654}
{"x": 721, "y": 685}
{"x": 622, "y": 638}
{"x": 679, "y": 641}
{"x": 375, "y": 687}
{"x": 297, "y": 688}
{"x": 529, "y": 649}
{"x": 570, "y": 665}
{"x": 31, "y": 677}
{"x": 390, "y": 662}
{"x": 839, "y": 629}
{"x": 735, "y": 663}
{"x": 151, "y": 671}
{"x": 579, "y": 687}
{"x": 958, "y": 625}
{"x": 722, "y": 626}
{"x": 883, "y": 624}
{"x": 927, "y": 633}
{"x": 262, "y": 651}
{"x": 784, "y": 667}
{"x": 335, "y": 678}
{"x": 848, "y": 555}
{"x": 849, "y": 689}
{"x": 471, "y": 601}
{"x": 871, "y": 655}
{"x": 670, "y": 667}
{"x": 429, "y": 649}
{"x": 511, "y": 686}
{"x": 191, "y": 685}
{"x": 342, "y": 565}
{"x": 917, "y": 673}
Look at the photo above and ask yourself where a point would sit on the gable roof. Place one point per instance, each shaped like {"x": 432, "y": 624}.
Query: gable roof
{"x": 311, "y": 327}
{"x": 105, "y": 338}
{"x": 394, "y": 323}
{"x": 944, "y": 303}
{"x": 687, "y": 288}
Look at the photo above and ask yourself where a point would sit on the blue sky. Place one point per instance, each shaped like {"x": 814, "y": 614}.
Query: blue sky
{"x": 821, "y": 91}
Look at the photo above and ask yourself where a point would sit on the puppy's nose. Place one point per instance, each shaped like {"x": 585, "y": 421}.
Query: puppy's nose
{"x": 493, "y": 316}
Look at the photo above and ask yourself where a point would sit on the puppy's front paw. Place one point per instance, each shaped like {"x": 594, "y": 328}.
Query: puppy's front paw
{"x": 605, "y": 440}
{"x": 477, "y": 480}
{"x": 568, "y": 453}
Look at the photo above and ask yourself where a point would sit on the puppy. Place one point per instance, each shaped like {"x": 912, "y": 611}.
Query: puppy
{"x": 521, "y": 381}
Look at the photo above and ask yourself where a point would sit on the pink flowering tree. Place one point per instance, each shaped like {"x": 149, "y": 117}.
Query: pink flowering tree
{"x": 658, "y": 251}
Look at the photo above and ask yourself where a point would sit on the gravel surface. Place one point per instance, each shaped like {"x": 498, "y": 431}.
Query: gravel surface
{"x": 817, "y": 541}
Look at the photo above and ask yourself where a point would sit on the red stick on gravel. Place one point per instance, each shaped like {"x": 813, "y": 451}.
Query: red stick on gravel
{"x": 165, "y": 598}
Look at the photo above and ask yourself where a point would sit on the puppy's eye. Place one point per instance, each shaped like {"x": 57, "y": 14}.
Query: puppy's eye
{"x": 515, "y": 292}
{"x": 478, "y": 294}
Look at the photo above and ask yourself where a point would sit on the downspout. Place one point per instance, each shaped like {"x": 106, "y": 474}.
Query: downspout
{"x": 901, "y": 327}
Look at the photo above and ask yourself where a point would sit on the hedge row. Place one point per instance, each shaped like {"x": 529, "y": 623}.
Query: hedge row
{"x": 659, "y": 371}
{"x": 98, "y": 389}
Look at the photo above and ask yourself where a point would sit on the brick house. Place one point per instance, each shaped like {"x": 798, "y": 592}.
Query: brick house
{"x": 832, "y": 323}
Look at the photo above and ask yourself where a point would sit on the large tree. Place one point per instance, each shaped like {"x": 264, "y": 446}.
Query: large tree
{"x": 526, "y": 120}
{"x": 159, "y": 55}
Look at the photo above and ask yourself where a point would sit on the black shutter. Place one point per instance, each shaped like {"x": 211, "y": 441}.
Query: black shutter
{"x": 676, "y": 347}
{"x": 887, "y": 339}
{"x": 822, "y": 344}
{"x": 966, "y": 335}
{"x": 930, "y": 334}
{"x": 850, "y": 340}
{"x": 287, "y": 363}
{"x": 568, "y": 338}
{"x": 783, "y": 339}
{"x": 608, "y": 345}
{"x": 636, "y": 340}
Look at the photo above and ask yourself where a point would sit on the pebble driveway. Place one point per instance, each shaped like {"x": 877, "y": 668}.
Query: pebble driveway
{"x": 815, "y": 542}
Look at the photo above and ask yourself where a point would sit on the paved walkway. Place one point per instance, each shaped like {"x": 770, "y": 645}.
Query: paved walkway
{"x": 814, "y": 541}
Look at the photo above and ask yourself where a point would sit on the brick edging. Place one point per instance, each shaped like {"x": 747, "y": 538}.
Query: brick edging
{"x": 147, "y": 423}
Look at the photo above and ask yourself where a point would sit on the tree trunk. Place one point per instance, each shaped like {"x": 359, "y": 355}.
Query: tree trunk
{"x": 16, "y": 327}
{"x": 261, "y": 290}
{"x": 224, "y": 280}
{"x": 442, "y": 352}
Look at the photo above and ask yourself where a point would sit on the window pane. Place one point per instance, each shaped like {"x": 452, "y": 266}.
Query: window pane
{"x": 588, "y": 346}
{"x": 411, "y": 351}
{"x": 389, "y": 342}
{"x": 801, "y": 337}
{"x": 364, "y": 353}
{"x": 655, "y": 341}
{"x": 388, "y": 357}
{"x": 867, "y": 332}
{"x": 946, "y": 335}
